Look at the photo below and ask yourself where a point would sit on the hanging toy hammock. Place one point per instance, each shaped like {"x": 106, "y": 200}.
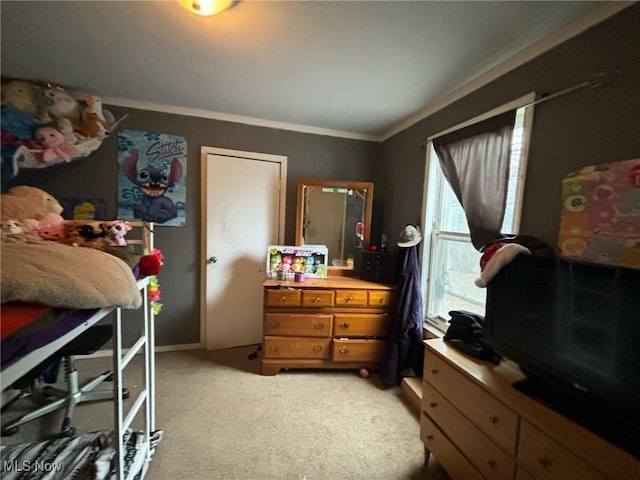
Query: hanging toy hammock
{"x": 44, "y": 125}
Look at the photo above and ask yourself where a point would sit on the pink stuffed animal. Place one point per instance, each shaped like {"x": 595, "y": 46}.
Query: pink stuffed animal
{"x": 49, "y": 227}
{"x": 115, "y": 232}
{"x": 55, "y": 145}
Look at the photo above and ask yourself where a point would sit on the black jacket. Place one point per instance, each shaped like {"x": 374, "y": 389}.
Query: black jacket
{"x": 404, "y": 343}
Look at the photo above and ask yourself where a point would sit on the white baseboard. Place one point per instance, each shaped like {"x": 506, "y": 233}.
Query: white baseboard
{"x": 159, "y": 349}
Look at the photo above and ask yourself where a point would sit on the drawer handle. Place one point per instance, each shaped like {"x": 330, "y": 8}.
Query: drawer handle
{"x": 435, "y": 371}
{"x": 317, "y": 348}
{"x": 317, "y": 300}
{"x": 383, "y": 300}
{"x": 433, "y": 404}
{"x": 319, "y": 326}
{"x": 275, "y": 348}
{"x": 283, "y": 298}
{"x": 344, "y": 325}
{"x": 545, "y": 462}
{"x": 349, "y": 299}
{"x": 492, "y": 463}
{"x": 344, "y": 350}
{"x": 275, "y": 324}
{"x": 493, "y": 419}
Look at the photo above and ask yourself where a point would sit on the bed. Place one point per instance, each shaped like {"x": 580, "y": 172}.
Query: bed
{"x": 52, "y": 293}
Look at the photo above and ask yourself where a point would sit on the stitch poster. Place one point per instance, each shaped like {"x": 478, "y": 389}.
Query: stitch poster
{"x": 152, "y": 180}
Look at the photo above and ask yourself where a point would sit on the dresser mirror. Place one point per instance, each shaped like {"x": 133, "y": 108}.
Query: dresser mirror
{"x": 336, "y": 214}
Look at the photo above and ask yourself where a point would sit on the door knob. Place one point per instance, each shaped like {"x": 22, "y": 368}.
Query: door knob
{"x": 212, "y": 259}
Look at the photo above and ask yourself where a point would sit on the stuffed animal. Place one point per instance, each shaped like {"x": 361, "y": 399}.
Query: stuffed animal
{"x": 55, "y": 145}
{"x": 115, "y": 231}
{"x": 49, "y": 227}
{"x": 23, "y": 202}
{"x": 93, "y": 122}
{"x": 12, "y": 230}
{"x": 22, "y": 95}
{"x": 60, "y": 104}
{"x": 65, "y": 126}
{"x": 75, "y": 235}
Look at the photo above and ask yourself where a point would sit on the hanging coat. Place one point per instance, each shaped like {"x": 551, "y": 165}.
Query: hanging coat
{"x": 404, "y": 348}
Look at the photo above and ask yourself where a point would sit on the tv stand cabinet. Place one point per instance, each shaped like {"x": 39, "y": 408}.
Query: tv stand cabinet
{"x": 479, "y": 427}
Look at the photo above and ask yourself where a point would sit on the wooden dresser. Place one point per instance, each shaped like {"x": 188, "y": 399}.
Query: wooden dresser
{"x": 337, "y": 322}
{"x": 479, "y": 427}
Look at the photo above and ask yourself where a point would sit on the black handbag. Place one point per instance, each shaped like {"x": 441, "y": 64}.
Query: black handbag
{"x": 465, "y": 333}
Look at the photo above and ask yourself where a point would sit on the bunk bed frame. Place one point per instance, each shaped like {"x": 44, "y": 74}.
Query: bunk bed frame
{"x": 145, "y": 344}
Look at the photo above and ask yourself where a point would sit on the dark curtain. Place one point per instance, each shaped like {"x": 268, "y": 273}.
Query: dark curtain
{"x": 475, "y": 162}
{"x": 404, "y": 349}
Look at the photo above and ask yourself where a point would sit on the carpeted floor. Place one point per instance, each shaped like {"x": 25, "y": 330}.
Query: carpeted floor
{"x": 222, "y": 420}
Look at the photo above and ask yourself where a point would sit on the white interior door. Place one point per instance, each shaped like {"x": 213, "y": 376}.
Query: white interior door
{"x": 243, "y": 212}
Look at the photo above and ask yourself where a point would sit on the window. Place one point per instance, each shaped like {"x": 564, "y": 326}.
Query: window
{"x": 450, "y": 263}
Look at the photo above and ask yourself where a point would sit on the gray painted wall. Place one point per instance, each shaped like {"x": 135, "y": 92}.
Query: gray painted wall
{"x": 583, "y": 128}
{"x": 309, "y": 156}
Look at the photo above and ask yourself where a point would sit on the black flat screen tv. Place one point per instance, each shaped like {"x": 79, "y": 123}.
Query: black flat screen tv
{"x": 574, "y": 329}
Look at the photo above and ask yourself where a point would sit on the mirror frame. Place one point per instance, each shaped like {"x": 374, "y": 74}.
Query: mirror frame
{"x": 368, "y": 205}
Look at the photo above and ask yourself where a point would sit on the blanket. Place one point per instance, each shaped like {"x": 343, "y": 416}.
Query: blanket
{"x": 63, "y": 276}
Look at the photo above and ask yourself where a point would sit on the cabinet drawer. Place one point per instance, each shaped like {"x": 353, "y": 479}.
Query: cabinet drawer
{"x": 381, "y": 298}
{"x": 296, "y": 347}
{"x": 486, "y": 456}
{"x": 545, "y": 458}
{"x": 360, "y": 324}
{"x": 492, "y": 417}
{"x": 282, "y": 296}
{"x": 521, "y": 474}
{"x": 454, "y": 462}
{"x": 351, "y": 298}
{"x": 318, "y": 298}
{"x": 358, "y": 350}
{"x": 297, "y": 324}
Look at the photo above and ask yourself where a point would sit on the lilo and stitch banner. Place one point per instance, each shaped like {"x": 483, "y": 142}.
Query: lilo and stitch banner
{"x": 152, "y": 180}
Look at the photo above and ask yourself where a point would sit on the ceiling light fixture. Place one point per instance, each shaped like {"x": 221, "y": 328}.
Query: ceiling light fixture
{"x": 206, "y": 7}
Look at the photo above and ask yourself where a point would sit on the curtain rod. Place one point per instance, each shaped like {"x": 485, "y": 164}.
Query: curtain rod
{"x": 594, "y": 81}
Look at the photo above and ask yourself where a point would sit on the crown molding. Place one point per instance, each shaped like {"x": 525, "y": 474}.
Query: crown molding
{"x": 226, "y": 117}
{"x": 595, "y": 16}
{"x": 587, "y": 21}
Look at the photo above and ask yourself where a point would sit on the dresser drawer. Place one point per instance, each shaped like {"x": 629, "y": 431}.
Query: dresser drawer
{"x": 296, "y": 347}
{"x": 358, "y": 350}
{"x": 360, "y": 324}
{"x": 351, "y": 298}
{"x": 546, "y": 459}
{"x": 298, "y": 324}
{"x": 282, "y": 296}
{"x": 521, "y": 474}
{"x": 454, "y": 462}
{"x": 492, "y": 417}
{"x": 381, "y": 298}
{"x": 486, "y": 456}
{"x": 318, "y": 298}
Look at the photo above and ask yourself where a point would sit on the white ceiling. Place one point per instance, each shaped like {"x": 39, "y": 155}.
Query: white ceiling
{"x": 358, "y": 69}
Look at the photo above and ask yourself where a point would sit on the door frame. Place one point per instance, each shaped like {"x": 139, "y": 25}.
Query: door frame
{"x": 204, "y": 153}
